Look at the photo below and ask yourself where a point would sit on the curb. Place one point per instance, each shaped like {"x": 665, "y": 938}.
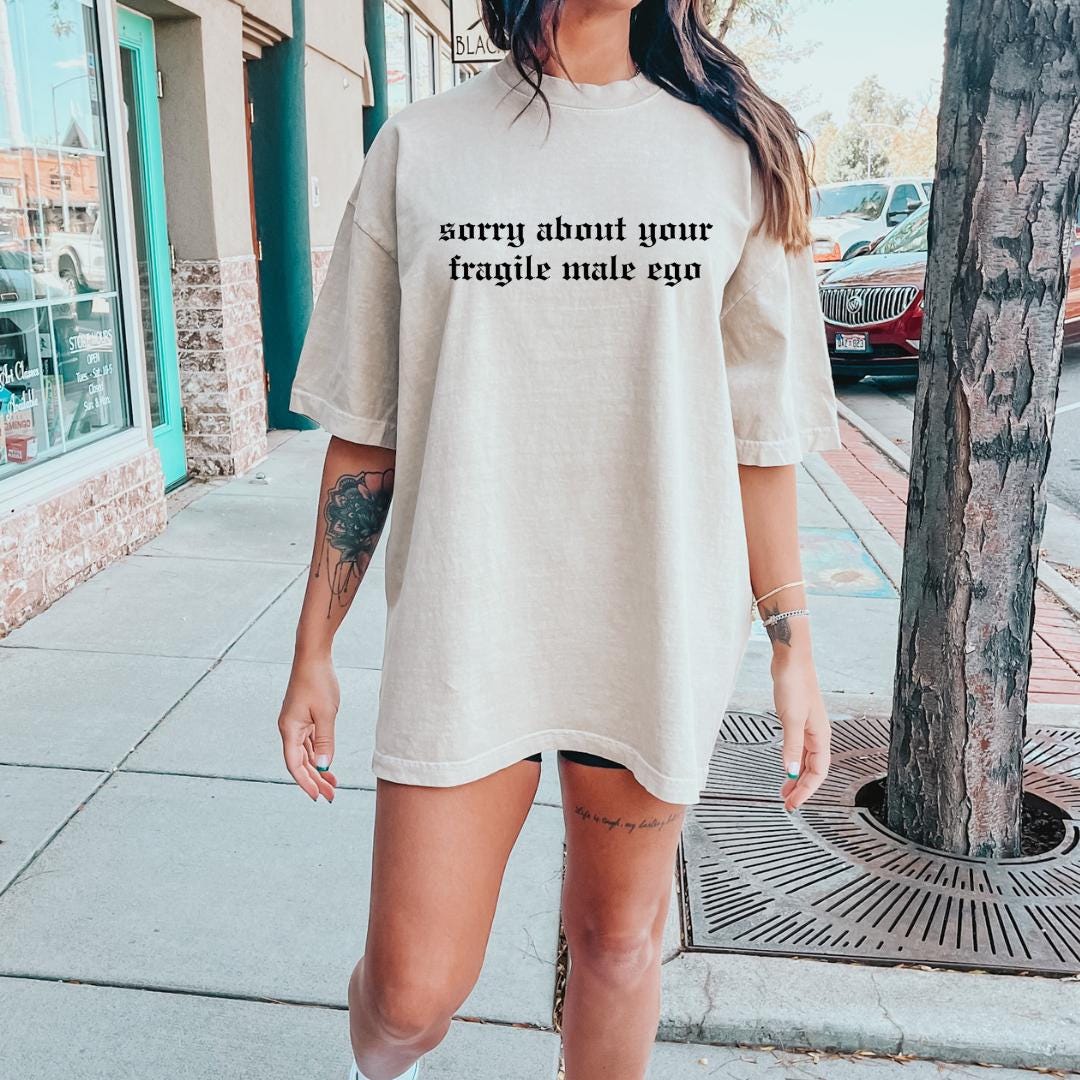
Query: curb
{"x": 893, "y": 452}
{"x": 1063, "y": 590}
{"x": 1011, "y": 1021}
{"x": 873, "y": 536}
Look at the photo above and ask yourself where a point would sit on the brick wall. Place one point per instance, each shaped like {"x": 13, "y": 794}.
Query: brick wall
{"x": 222, "y": 380}
{"x": 48, "y": 548}
{"x": 320, "y": 261}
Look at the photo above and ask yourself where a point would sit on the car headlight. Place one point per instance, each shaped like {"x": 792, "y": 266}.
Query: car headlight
{"x": 826, "y": 251}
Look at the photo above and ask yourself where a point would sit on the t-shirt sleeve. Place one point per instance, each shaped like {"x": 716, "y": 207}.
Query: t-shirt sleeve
{"x": 347, "y": 376}
{"x": 776, "y": 356}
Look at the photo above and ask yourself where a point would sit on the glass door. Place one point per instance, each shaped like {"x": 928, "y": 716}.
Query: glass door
{"x": 138, "y": 70}
{"x": 63, "y": 365}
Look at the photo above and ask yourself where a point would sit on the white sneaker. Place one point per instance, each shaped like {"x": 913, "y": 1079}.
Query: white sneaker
{"x": 409, "y": 1074}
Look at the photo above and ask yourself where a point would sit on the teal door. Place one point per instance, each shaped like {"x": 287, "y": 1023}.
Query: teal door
{"x": 138, "y": 70}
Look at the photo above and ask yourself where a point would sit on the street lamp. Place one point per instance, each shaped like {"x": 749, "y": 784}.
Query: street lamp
{"x": 875, "y": 124}
{"x": 59, "y": 150}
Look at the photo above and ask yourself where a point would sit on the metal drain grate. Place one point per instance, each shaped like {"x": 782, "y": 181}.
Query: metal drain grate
{"x": 832, "y": 881}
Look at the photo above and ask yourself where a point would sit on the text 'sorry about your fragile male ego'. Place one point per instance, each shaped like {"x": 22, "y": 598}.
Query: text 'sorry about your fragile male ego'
{"x": 647, "y": 237}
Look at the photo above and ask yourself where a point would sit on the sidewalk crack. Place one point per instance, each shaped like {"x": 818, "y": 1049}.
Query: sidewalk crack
{"x": 888, "y": 1016}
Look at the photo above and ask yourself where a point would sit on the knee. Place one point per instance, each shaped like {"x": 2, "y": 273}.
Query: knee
{"x": 407, "y": 1010}
{"x": 614, "y": 956}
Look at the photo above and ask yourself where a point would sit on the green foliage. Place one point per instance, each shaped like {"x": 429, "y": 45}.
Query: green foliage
{"x": 763, "y": 15}
{"x": 61, "y": 26}
{"x": 884, "y": 133}
{"x": 855, "y": 154}
{"x": 872, "y": 103}
{"x": 757, "y": 30}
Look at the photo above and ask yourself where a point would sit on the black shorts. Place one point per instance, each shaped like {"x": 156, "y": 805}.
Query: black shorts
{"x": 581, "y": 758}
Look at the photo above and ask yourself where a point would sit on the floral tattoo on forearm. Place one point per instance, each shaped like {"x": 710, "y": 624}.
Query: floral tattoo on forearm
{"x": 354, "y": 514}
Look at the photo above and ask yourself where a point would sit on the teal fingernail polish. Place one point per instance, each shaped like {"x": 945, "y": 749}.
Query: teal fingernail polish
{"x": 322, "y": 763}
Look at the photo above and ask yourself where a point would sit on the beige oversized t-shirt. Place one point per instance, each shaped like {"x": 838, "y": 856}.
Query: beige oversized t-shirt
{"x": 571, "y": 338}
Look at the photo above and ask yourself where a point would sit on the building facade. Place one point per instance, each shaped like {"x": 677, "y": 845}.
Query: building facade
{"x": 172, "y": 175}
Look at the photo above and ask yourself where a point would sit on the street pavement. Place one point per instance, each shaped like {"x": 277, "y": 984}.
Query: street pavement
{"x": 158, "y": 913}
{"x": 888, "y": 404}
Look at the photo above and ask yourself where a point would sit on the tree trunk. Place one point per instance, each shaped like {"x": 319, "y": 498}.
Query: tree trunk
{"x": 1001, "y": 211}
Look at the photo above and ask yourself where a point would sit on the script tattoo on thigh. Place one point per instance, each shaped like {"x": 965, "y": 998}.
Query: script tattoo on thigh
{"x": 629, "y": 825}
{"x": 354, "y": 514}
{"x": 779, "y": 632}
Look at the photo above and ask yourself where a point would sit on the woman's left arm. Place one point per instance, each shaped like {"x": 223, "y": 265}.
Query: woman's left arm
{"x": 770, "y": 513}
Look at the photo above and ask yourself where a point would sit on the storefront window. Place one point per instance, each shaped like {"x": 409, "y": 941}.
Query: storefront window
{"x": 417, "y": 60}
{"x": 62, "y": 372}
{"x": 397, "y": 59}
{"x": 446, "y": 70}
{"x": 423, "y": 62}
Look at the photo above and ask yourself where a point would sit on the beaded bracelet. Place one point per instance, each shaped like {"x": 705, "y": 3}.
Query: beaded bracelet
{"x": 773, "y": 592}
{"x": 772, "y": 620}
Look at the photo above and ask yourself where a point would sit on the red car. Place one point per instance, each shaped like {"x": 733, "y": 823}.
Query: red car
{"x": 873, "y": 303}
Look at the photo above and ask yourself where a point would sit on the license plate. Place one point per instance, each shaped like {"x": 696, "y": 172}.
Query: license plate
{"x": 852, "y": 343}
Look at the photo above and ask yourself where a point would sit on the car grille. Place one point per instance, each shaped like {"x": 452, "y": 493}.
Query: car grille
{"x": 865, "y": 305}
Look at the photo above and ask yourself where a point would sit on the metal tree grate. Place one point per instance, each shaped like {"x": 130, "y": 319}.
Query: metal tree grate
{"x": 832, "y": 881}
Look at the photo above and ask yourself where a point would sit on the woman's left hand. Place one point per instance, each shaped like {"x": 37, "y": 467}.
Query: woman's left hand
{"x": 807, "y": 733}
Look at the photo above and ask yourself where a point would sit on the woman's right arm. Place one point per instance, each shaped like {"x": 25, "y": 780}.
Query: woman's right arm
{"x": 357, "y": 483}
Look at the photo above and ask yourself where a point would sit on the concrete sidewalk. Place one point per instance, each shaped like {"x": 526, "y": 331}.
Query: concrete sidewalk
{"x": 156, "y": 913}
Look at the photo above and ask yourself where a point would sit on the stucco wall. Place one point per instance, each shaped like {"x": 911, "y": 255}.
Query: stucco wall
{"x": 203, "y": 124}
{"x": 278, "y": 13}
{"x": 336, "y": 29}
{"x": 203, "y": 133}
{"x": 200, "y": 55}
{"x": 335, "y": 140}
{"x": 437, "y": 13}
{"x": 185, "y": 137}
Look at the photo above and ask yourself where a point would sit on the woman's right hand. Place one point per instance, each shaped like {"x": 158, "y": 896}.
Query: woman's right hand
{"x": 306, "y": 724}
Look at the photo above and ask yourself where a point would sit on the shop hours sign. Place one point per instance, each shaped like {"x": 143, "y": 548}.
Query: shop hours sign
{"x": 469, "y": 40}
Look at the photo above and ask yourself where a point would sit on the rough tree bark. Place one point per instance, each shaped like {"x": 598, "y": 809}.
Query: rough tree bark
{"x": 1002, "y": 208}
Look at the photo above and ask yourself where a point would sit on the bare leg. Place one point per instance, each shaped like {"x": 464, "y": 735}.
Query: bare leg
{"x": 620, "y": 861}
{"x": 437, "y": 867}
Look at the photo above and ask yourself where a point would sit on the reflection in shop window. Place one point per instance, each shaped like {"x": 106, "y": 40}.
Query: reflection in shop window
{"x": 423, "y": 61}
{"x": 62, "y": 375}
{"x": 397, "y": 59}
{"x": 446, "y": 70}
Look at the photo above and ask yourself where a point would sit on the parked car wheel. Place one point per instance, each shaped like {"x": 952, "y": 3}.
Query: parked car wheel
{"x": 70, "y": 277}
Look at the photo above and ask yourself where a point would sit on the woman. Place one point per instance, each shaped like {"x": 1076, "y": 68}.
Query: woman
{"x": 577, "y": 337}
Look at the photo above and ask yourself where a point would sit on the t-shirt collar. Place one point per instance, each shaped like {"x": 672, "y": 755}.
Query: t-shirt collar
{"x": 560, "y": 91}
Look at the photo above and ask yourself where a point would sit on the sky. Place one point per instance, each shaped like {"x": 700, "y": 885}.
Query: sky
{"x": 51, "y": 76}
{"x": 901, "y": 43}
